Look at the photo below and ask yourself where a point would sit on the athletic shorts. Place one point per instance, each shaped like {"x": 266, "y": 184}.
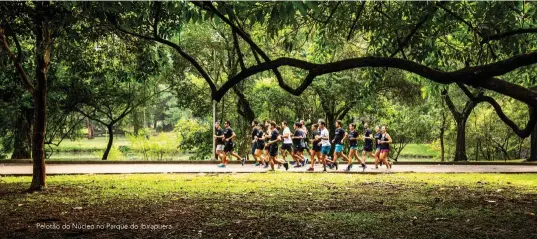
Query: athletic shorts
{"x": 368, "y": 148}
{"x": 339, "y": 148}
{"x": 316, "y": 147}
{"x": 254, "y": 147}
{"x": 220, "y": 147}
{"x": 297, "y": 148}
{"x": 228, "y": 147}
{"x": 325, "y": 150}
{"x": 273, "y": 150}
{"x": 353, "y": 147}
{"x": 378, "y": 148}
{"x": 287, "y": 147}
{"x": 260, "y": 145}
{"x": 385, "y": 150}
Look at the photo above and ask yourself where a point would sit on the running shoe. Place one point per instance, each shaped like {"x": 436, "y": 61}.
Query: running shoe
{"x": 297, "y": 166}
{"x": 266, "y": 165}
{"x": 221, "y": 165}
{"x": 306, "y": 160}
{"x": 310, "y": 169}
{"x": 286, "y": 166}
{"x": 256, "y": 164}
{"x": 243, "y": 161}
{"x": 293, "y": 162}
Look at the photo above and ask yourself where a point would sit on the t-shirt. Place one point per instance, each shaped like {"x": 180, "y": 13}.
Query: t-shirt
{"x": 254, "y": 132}
{"x": 377, "y": 138}
{"x": 274, "y": 135}
{"x": 259, "y": 136}
{"x": 340, "y": 132}
{"x": 228, "y": 132}
{"x": 384, "y": 145}
{"x": 324, "y": 133}
{"x": 298, "y": 142}
{"x": 353, "y": 142}
{"x": 368, "y": 142}
{"x": 315, "y": 133}
{"x": 287, "y": 140}
{"x": 219, "y": 132}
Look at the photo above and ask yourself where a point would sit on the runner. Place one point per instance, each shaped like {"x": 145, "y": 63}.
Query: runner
{"x": 298, "y": 145}
{"x": 267, "y": 137}
{"x": 340, "y": 135}
{"x": 368, "y": 145}
{"x": 325, "y": 143}
{"x": 254, "y": 141}
{"x": 287, "y": 142}
{"x": 315, "y": 147}
{"x": 307, "y": 148}
{"x": 260, "y": 143}
{"x": 377, "y": 146}
{"x": 273, "y": 147}
{"x": 385, "y": 142}
{"x": 219, "y": 137}
{"x": 228, "y": 146}
{"x": 353, "y": 144}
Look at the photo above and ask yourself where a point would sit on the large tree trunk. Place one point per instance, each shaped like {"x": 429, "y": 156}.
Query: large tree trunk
{"x": 23, "y": 135}
{"x": 110, "y": 141}
{"x": 43, "y": 45}
{"x": 460, "y": 145}
{"x": 533, "y": 143}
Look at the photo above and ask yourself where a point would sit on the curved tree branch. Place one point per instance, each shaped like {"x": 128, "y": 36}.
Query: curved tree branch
{"x": 479, "y": 76}
{"x": 16, "y": 62}
{"x": 523, "y": 133}
{"x": 500, "y": 36}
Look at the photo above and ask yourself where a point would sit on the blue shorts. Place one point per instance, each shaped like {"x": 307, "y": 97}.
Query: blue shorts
{"x": 354, "y": 147}
{"x": 339, "y": 148}
{"x": 325, "y": 150}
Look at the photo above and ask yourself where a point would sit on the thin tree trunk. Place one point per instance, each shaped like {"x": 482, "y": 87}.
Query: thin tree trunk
{"x": 110, "y": 141}
{"x": 136, "y": 122}
{"x": 442, "y": 132}
{"x": 91, "y": 130}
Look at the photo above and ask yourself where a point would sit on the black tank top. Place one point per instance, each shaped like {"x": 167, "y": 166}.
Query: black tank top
{"x": 384, "y": 145}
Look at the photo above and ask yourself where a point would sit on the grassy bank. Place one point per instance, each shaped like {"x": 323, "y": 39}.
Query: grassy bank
{"x": 294, "y": 205}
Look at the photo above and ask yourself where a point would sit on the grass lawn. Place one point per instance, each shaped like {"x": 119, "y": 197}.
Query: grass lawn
{"x": 425, "y": 150}
{"x": 274, "y": 205}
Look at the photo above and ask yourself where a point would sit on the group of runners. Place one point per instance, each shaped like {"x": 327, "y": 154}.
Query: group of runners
{"x": 266, "y": 138}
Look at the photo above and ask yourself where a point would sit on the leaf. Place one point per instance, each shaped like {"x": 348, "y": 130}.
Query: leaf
{"x": 301, "y": 8}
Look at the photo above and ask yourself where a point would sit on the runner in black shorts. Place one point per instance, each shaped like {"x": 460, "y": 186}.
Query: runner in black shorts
{"x": 298, "y": 145}
{"x": 219, "y": 137}
{"x": 260, "y": 143}
{"x": 353, "y": 144}
{"x": 377, "y": 146}
{"x": 315, "y": 147}
{"x": 368, "y": 145}
{"x": 254, "y": 141}
{"x": 228, "y": 146}
{"x": 273, "y": 147}
{"x": 307, "y": 148}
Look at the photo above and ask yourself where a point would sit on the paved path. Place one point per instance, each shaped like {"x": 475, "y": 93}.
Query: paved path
{"x": 26, "y": 169}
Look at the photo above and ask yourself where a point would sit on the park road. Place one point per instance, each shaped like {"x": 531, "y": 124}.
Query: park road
{"x": 126, "y": 168}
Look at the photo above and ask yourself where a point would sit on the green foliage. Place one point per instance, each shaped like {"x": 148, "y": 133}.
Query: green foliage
{"x": 115, "y": 154}
{"x": 160, "y": 147}
{"x": 194, "y": 134}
